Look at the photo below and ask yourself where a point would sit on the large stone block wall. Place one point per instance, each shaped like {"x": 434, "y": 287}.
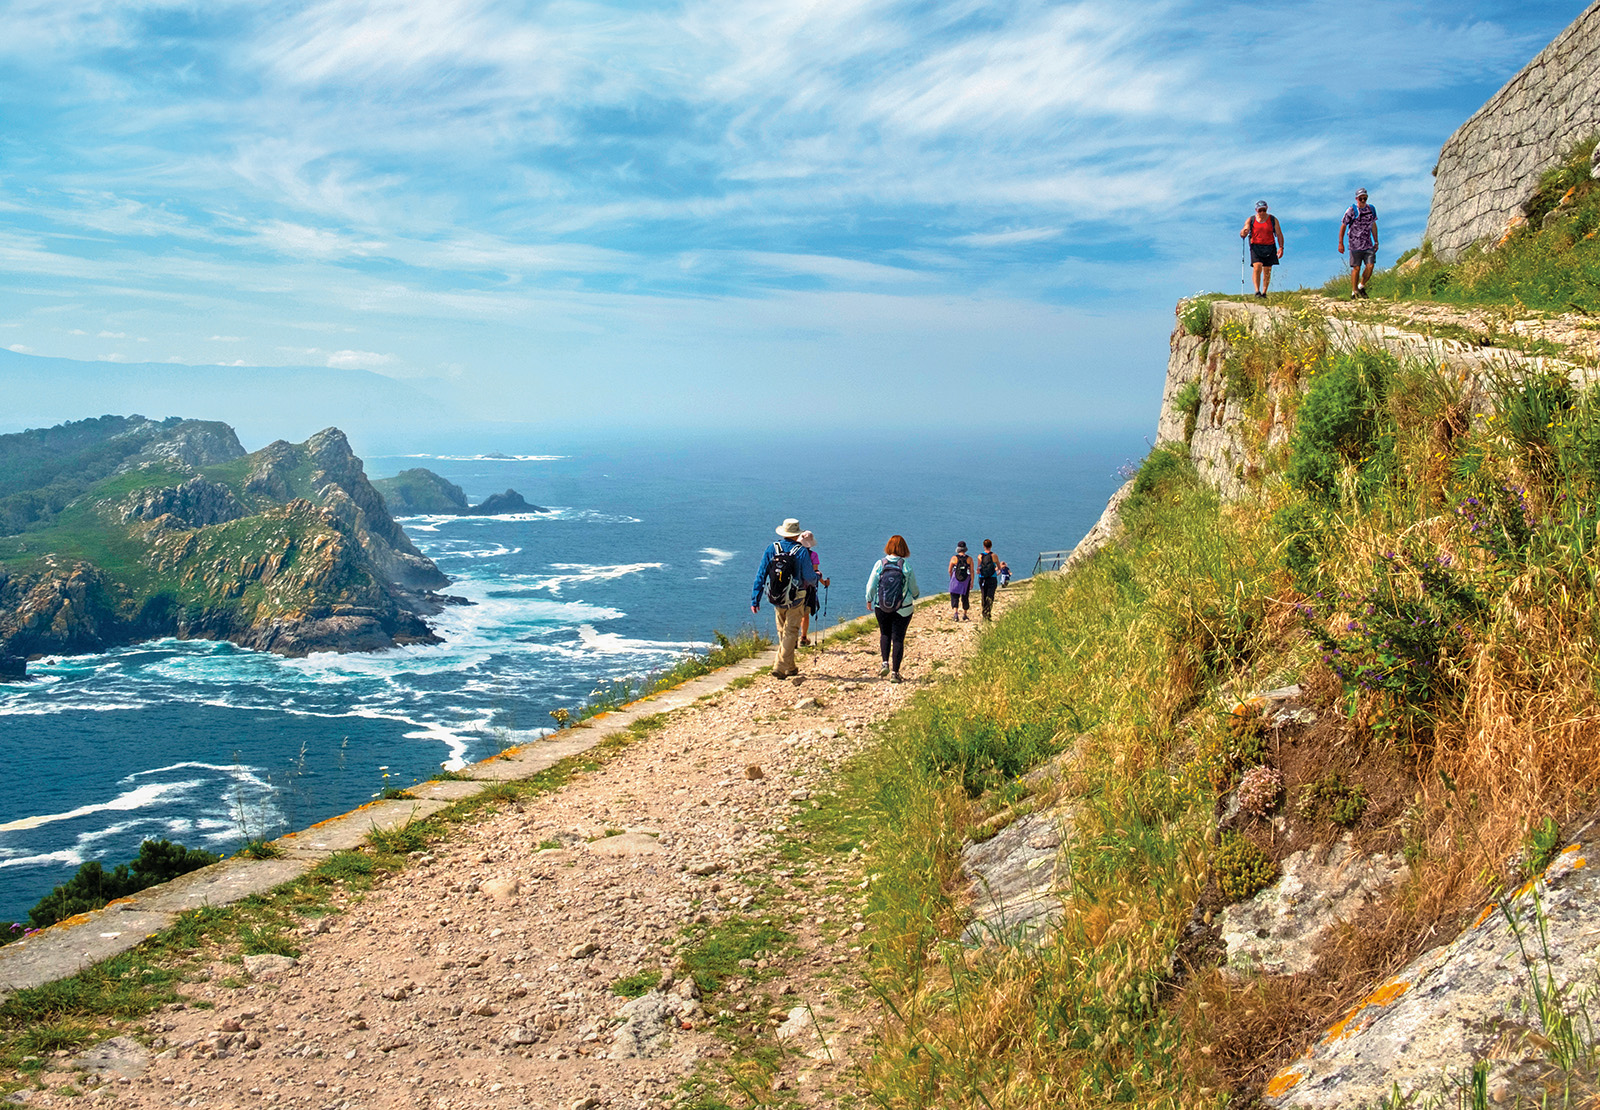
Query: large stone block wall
{"x": 1490, "y": 167}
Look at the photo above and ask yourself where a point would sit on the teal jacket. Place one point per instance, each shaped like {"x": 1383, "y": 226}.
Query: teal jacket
{"x": 907, "y": 598}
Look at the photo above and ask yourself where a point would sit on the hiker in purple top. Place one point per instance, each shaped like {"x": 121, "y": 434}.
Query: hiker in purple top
{"x": 960, "y": 582}
{"x": 1361, "y": 220}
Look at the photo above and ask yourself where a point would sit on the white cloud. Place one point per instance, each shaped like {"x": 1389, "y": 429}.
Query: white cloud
{"x": 20, "y": 348}
{"x": 227, "y": 339}
{"x": 1009, "y": 238}
{"x": 358, "y": 360}
{"x": 113, "y": 335}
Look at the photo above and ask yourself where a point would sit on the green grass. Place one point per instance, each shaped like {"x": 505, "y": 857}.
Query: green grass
{"x": 713, "y": 956}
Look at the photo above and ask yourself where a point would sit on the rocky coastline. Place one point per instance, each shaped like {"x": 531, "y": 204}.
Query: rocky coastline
{"x": 289, "y": 549}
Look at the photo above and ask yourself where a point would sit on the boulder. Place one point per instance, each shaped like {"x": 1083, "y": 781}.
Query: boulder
{"x": 1278, "y": 931}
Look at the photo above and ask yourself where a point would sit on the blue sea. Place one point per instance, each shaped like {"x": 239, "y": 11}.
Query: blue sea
{"x": 648, "y": 548}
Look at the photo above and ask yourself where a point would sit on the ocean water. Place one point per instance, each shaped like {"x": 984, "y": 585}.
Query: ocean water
{"x": 649, "y": 547}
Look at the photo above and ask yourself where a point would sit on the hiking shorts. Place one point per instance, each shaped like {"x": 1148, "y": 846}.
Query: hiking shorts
{"x": 1264, "y": 254}
{"x": 1359, "y": 259}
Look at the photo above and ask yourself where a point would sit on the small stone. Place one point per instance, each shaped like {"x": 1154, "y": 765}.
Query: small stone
{"x": 231, "y": 1025}
{"x": 581, "y": 951}
{"x": 500, "y": 889}
{"x": 266, "y": 965}
{"x": 704, "y": 867}
{"x": 587, "y": 1102}
{"x": 753, "y": 771}
{"x": 805, "y": 704}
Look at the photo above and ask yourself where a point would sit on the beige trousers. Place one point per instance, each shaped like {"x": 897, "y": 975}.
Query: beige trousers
{"x": 789, "y": 621}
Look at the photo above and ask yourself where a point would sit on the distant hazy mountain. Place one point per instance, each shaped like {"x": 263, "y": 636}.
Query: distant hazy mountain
{"x": 260, "y": 402}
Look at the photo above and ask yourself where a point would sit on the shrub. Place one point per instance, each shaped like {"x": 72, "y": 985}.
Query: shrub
{"x": 1342, "y": 428}
{"x": 1259, "y": 790}
{"x": 1195, "y": 316}
{"x": 1342, "y": 802}
{"x": 1164, "y": 472}
{"x": 1187, "y": 402}
{"x": 93, "y": 886}
{"x": 1242, "y": 869}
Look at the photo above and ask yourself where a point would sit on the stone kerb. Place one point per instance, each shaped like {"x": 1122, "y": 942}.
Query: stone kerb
{"x": 69, "y": 946}
{"x": 1490, "y": 167}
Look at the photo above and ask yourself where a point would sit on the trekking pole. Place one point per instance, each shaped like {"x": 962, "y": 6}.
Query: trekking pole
{"x": 1244, "y": 254}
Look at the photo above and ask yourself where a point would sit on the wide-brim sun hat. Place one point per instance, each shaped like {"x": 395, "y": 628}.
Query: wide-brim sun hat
{"x": 807, "y": 539}
{"x": 789, "y": 529}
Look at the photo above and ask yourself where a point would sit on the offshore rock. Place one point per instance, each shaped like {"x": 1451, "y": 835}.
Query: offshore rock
{"x": 503, "y": 504}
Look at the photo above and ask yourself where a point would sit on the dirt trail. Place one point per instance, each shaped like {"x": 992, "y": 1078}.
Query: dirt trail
{"x": 480, "y": 975}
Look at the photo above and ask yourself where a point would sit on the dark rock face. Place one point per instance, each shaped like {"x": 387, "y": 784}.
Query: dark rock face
{"x": 13, "y": 668}
{"x": 503, "y": 504}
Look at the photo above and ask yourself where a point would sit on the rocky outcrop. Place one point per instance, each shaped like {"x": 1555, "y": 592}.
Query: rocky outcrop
{"x": 1278, "y": 932}
{"x": 1490, "y": 168}
{"x": 191, "y": 443}
{"x": 1476, "y": 998}
{"x": 193, "y": 504}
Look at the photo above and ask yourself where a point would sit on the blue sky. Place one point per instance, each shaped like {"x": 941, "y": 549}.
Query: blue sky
{"x": 856, "y": 213}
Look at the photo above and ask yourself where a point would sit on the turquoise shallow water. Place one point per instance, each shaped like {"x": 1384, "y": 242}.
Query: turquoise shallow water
{"x": 649, "y": 548}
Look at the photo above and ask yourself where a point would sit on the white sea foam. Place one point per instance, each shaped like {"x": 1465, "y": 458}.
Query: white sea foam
{"x": 452, "y": 552}
{"x": 715, "y": 556}
{"x": 590, "y": 572}
{"x": 138, "y": 798}
{"x": 488, "y": 458}
{"x": 610, "y": 643}
{"x": 67, "y": 856}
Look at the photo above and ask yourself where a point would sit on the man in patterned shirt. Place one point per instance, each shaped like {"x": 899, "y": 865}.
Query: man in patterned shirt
{"x": 1362, "y": 221}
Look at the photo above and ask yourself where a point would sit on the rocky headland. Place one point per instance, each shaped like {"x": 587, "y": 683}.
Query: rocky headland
{"x": 123, "y": 529}
{"x": 421, "y": 492}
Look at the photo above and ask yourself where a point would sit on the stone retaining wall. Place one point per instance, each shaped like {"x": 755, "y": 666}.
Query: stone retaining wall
{"x": 1490, "y": 167}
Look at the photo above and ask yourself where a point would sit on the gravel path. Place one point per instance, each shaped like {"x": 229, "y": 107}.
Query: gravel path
{"x": 480, "y": 975}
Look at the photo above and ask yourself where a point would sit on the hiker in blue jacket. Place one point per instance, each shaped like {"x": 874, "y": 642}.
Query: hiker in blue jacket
{"x": 891, "y": 595}
{"x": 786, "y": 573}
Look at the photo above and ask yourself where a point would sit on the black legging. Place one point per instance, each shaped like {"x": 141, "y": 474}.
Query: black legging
{"x": 892, "y": 636}
{"x": 988, "y": 586}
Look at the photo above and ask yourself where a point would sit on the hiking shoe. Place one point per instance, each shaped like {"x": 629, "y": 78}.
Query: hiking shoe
{"x": 883, "y": 670}
{"x": 805, "y": 641}
{"x": 1363, "y": 291}
{"x": 895, "y": 677}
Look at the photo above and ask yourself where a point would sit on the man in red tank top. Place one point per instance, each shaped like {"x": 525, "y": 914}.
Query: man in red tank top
{"x": 1266, "y": 246}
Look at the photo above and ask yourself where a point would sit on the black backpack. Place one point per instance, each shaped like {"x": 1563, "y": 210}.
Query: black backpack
{"x": 891, "y": 586}
{"x": 987, "y": 568}
{"x": 963, "y": 568}
{"x": 784, "y": 587}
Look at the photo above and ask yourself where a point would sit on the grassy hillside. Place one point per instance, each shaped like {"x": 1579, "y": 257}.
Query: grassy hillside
{"x": 1429, "y": 577}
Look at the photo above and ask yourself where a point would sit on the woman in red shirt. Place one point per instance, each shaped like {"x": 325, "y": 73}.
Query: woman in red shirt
{"x": 1266, "y": 246}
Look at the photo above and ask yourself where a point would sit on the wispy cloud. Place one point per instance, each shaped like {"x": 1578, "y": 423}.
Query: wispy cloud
{"x": 444, "y": 180}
